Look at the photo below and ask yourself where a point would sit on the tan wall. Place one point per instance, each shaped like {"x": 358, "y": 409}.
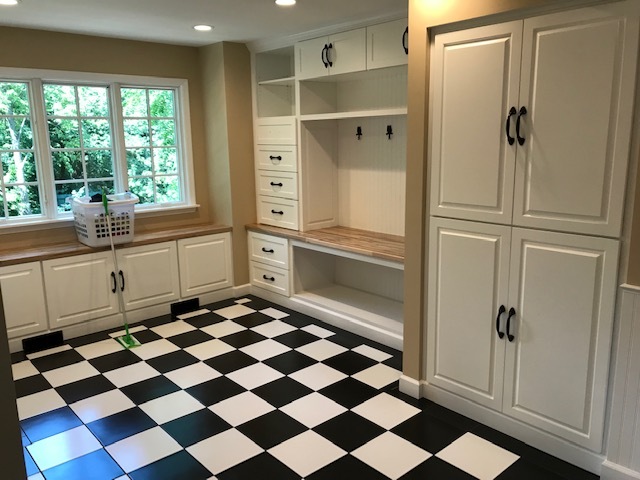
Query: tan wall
{"x": 423, "y": 15}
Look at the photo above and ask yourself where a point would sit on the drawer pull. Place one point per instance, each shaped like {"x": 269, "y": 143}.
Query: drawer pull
{"x": 275, "y": 157}
{"x": 268, "y": 250}
{"x": 512, "y": 312}
{"x": 274, "y": 184}
{"x": 271, "y": 279}
{"x": 277, "y": 212}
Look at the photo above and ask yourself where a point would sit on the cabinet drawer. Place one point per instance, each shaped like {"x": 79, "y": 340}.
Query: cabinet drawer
{"x": 269, "y": 250}
{"x": 270, "y": 278}
{"x": 276, "y": 184}
{"x": 278, "y": 158}
{"x": 276, "y": 131}
{"x": 278, "y": 212}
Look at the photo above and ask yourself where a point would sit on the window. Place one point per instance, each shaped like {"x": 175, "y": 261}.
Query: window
{"x": 78, "y": 136}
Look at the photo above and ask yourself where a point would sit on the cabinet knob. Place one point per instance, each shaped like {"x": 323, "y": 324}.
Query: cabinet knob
{"x": 512, "y": 112}
{"x": 512, "y": 313}
{"x": 523, "y": 111}
{"x": 501, "y": 310}
{"x": 271, "y": 279}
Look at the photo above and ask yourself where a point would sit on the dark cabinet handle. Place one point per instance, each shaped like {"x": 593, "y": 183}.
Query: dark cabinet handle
{"x": 405, "y": 40}
{"x": 268, "y": 250}
{"x": 512, "y": 112}
{"x": 523, "y": 111}
{"x": 113, "y": 282}
{"x": 274, "y": 184}
{"x": 277, "y": 157}
{"x": 271, "y": 279}
{"x": 277, "y": 212}
{"x": 121, "y": 280}
{"x": 512, "y": 312}
{"x": 322, "y": 56}
{"x": 501, "y": 310}
{"x": 330, "y": 47}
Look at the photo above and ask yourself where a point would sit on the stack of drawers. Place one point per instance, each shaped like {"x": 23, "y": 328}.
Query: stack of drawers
{"x": 277, "y": 172}
{"x": 269, "y": 262}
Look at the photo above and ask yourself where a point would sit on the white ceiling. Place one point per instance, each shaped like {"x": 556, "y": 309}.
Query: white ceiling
{"x": 172, "y": 21}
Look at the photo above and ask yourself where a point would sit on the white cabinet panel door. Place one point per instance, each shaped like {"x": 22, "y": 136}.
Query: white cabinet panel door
{"x": 386, "y": 44}
{"x": 468, "y": 272}
{"x": 474, "y": 82}
{"x": 348, "y": 52}
{"x": 23, "y": 299}
{"x": 562, "y": 287}
{"x": 80, "y": 288}
{"x": 149, "y": 275}
{"x": 205, "y": 264}
{"x": 578, "y": 82}
{"x": 310, "y": 58}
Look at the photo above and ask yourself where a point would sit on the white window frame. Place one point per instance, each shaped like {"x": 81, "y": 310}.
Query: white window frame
{"x": 36, "y": 77}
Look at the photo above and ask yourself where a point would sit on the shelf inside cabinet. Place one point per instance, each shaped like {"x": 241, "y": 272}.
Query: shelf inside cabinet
{"x": 354, "y": 114}
{"x": 285, "y": 82}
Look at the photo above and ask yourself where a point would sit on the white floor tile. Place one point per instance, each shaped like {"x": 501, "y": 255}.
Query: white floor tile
{"x": 170, "y": 407}
{"x": 273, "y": 329}
{"x": 318, "y": 376}
{"x": 313, "y": 409}
{"x": 230, "y": 447}
{"x": 307, "y": 453}
{"x": 196, "y": 313}
{"x": 372, "y": 353}
{"x": 37, "y": 403}
{"x": 44, "y": 353}
{"x": 378, "y": 376}
{"x": 191, "y": 375}
{"x": 318, "y": 331}
{"x": 65, "y": 446}
{"x": 386, "y": 411}
{"x": 98, "y": 349}
{"x": 100, "y": 406}
{"x": 173, "y": 328}
{"x": 234, "y": 311}
{"x": 477, "y": 457}
{"x": 321, "y": 350}
{"x": 37, "y": 476}
{"x": 242, "y": 301}
{"x": 274, "y": 313}
{"x": 265, "y": 349}
{"x": 255, "y": 375}
{"x": 391, "y": 455}
{"x": 223, "y": 329}
{"x": 132, "y": 330}
{"x": 241, "y": 408}
{"x": 154, "y": 349}
{"x": 142, "y": 449}
{"x": 137, "y": 372}
{"x": 23, "y": 370}
{"x": 210, "y": 349}
{"x": 70, "y": 373}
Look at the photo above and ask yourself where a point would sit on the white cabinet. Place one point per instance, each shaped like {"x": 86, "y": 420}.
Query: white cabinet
{"x": 269, "y": 268}
{"x": 205, "y": 264}
{"x": 388, "y": 44}
{"x": 340, "y": 53}
{"x": 548, "y": 127}
{"x": 23, "y": 299}
{"x": 533, "y": 313}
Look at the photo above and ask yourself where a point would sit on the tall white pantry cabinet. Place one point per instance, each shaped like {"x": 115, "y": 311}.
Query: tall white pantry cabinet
{"x": 530, "y": 138}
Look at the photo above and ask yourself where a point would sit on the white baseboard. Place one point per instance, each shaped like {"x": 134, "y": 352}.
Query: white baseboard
{"x": 410, "y": 386}
{"x": 611, "y": 471}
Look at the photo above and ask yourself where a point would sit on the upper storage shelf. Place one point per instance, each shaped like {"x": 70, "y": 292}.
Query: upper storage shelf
{"x": 274, "y": 75}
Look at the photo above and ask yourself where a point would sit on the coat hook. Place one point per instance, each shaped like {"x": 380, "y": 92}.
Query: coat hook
{"x": 389, "y": 131}
{"x": 359, "y": 132}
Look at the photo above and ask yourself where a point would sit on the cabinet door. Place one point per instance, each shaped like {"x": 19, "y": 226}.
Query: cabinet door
{"x": 468, "y": 271}
{"x": 348, "y": 52}
{"x": 474, "y": 84}
{"x": 310, "y": 58}
{"x": 386, "y": 44}
{"x": 578, "y": 82}
{"x": 23, "y": 299}
{"x": 149, "y": 275}
{"x": 563, "y": 289}
{"x": 80, "y": 288}
{"x": 205, "y": 264}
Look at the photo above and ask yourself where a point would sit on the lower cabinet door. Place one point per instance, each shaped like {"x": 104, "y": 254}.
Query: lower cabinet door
{"x": 205, "y": 264}
{"x": 148, "y": 275}
{"x": 562, "y": 287}
{"x": 23, "y": 299}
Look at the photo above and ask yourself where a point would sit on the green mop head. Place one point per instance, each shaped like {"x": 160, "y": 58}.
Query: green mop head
{"x": 128, "y": 341}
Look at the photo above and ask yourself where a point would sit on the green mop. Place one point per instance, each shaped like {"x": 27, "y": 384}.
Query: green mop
{"x": 127, "y": 340}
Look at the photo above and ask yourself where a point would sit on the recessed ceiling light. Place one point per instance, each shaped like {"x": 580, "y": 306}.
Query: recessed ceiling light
{"x": 285, "y": 3}
{"x": 200, "y": 28}
{"x": 8, "y": 2}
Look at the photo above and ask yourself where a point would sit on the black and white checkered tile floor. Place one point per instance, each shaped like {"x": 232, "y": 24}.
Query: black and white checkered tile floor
{"x": 248, "y": 391}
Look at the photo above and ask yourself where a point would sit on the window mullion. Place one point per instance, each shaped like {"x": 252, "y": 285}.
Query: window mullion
{"x": 119, "y": 151}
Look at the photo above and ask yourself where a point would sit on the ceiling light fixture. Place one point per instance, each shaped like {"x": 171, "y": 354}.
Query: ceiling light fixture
{"x": 285, "y": 3}
{"x": 8, "y": 2}
{"x": 200, "y": 28}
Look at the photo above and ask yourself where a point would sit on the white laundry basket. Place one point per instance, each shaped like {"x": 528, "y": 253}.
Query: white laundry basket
{"x": 91, "y": 222}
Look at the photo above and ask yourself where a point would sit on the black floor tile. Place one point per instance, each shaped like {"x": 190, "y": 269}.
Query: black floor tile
{"x": 146, "y": 336}
{"x": 271, "y": 429}
{"x": 349, "y": 362}
{"x": 97, "y": 465}
{"x": 525, "y": 470}
{"x": 76, "y": 391}
{"x": 57, "y": 360}
{"x": 30, "y": 385}
{"x": 347, "y": 467}
{"x": 157, "y": 321}
{"x": 29, "y": 464}
{"x": 50, "y": 423}
{"x": 204, "y": 320}
{"x": 195, "y": 427}
{"x": 349, "y": 392}
{"x": 230, "y": 362}
{"x": 172, "y": 361}
{"x": 221, "y": 304}
{"x": 253, "y": 319}
{"x": 149, "y": 389}
{"x": 106, "y": 363}
{"x": 258, "y": 303}
{"x": 87, "y": 339}
{"x": 439, "y": 469}
{"x": 553, "y": 464}
{"x": 188, "y": 339}
{"x": 25, "y": 440}
{"x": 244, "y": 338}
{"x": 298, "y": 320}
{"x": 290, "y": 362}
{"x": 262, "y": 466}
{"x": 347, "y": 339}
{"x": 214, "y": 391}
{"x": 428, "y": 432}
{"x": 178, "y": 466}
{"x": 394, "y": 362}
{"x": 296, "y": 339}
{"x": 120, "y": 425}
{"x": 282, "y": 391}
{"x": 349, "y": 431}
{"x": 18, "y": 357}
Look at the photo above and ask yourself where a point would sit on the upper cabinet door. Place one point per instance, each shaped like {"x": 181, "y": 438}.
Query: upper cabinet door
{"x": 387, "y": 44}
{"x": 348, "y": 52}
{"x": 310, "y": 58}
{"x": 578, "y": 81}
{"x": 474, "y": 84}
